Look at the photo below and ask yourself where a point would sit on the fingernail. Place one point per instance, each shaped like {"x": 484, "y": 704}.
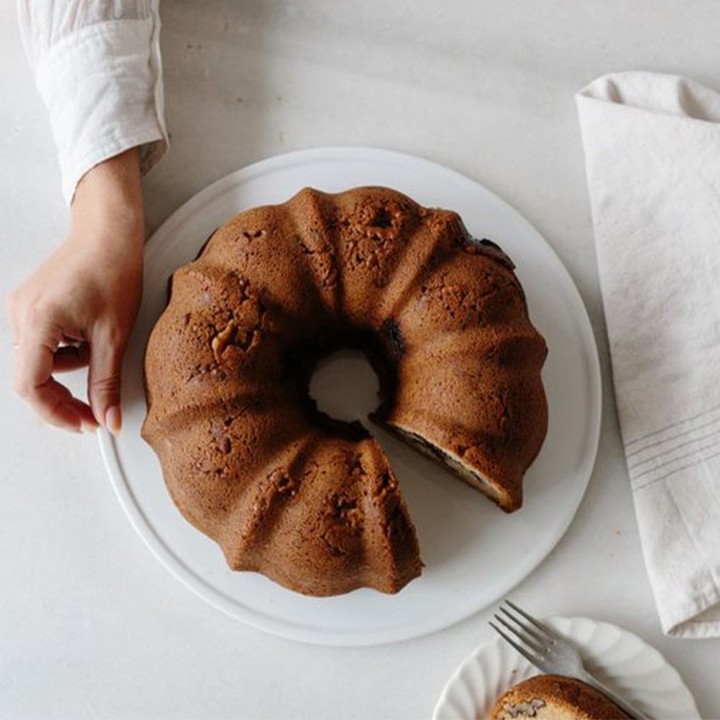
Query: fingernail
{"x": 113, "y": 419}
{"x": 87, "y": 427}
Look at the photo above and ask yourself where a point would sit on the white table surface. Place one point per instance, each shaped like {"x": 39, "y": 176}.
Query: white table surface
{"x": 91, "y": 626}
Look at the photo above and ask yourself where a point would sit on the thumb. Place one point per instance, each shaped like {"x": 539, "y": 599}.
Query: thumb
{"x": 104, "y": 379}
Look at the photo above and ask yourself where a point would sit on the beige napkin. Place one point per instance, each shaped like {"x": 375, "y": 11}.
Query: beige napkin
{"x": 652, "y": 149}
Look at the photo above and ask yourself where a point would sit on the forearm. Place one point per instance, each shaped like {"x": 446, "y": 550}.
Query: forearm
{"x": 109, "y": 198}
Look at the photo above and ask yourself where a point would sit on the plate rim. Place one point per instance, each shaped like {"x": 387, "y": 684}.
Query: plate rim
{"x": 472, "y": 657}
{"x": 289, "y": 628}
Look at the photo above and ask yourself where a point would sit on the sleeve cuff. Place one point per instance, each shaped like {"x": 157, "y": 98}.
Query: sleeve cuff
{"x": 103, "y": 89}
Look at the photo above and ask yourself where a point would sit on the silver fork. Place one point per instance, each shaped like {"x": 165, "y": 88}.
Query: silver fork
{"x": 549, "y": 651}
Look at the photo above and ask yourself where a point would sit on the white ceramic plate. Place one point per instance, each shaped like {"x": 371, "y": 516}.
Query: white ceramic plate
{"x": 466, "y": 541}
{"x": 622, "y": 661}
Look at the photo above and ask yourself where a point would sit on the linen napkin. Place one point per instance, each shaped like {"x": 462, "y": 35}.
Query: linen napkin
{"x": 652, "y": 151}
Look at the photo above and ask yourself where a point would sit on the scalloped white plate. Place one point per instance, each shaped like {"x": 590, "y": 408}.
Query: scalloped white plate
{"x": 465, "y": 540}
{"x": 616, "y": 657}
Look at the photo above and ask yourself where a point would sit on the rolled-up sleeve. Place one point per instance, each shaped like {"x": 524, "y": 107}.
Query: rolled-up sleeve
{"x": 98, "y": 68}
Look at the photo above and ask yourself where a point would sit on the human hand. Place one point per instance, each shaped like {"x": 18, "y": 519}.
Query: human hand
{"x": 78, "y": 307}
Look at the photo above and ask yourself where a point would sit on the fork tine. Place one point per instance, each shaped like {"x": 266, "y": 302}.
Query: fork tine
{"x": 540, "y": 626}
{"x": 519, "y": 632}
{"x": 529, "y": 630}
{"x": 529, "y": 656}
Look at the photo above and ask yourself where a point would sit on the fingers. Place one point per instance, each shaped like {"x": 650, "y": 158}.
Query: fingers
{"x": 53, "y": 402}
{"x": 71, "y": 357}
{"x": 56, "y": 405}
{"x": 76, "y": 311}
{"x": 36, "y": 361}
{"x": 104, "y": 379}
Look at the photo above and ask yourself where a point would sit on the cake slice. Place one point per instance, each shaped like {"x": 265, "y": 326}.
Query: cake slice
{"x": 554, "y": 697}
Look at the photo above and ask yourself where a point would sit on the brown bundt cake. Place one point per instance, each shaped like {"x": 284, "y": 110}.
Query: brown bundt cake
{"x": 249, "y": 460}
{"x": 554, "y": 697}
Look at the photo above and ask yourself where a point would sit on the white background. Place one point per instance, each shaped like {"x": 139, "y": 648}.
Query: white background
{"x": 90, "y": 624}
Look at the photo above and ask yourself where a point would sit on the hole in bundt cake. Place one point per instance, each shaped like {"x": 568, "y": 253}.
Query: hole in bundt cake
{"x": 343, "y": 390}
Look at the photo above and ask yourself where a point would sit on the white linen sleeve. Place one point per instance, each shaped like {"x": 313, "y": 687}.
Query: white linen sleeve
{"x": 98, "y": 68}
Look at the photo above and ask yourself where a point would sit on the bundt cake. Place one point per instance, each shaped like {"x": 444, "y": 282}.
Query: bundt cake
{"x": 309, "y": 501}
{"x": 554, "y": 697}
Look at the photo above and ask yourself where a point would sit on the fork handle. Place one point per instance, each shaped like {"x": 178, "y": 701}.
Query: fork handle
{"x": 624, "y": 705}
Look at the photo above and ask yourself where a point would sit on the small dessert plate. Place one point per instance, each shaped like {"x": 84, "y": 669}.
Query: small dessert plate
{"x": 621, "y": 660}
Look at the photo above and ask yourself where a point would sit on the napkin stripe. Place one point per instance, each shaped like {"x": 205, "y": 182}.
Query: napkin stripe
{"x": 668, "y": 456}
{"x": 663, "y": 464}
{"x": 670, "y": 427}
{"x": 641, "y": 485}
{"x": 661, "y": 443}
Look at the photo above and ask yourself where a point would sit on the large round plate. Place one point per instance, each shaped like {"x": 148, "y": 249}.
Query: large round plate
{"x": 466, "y": 541}
{"x": 619, "y": 659}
